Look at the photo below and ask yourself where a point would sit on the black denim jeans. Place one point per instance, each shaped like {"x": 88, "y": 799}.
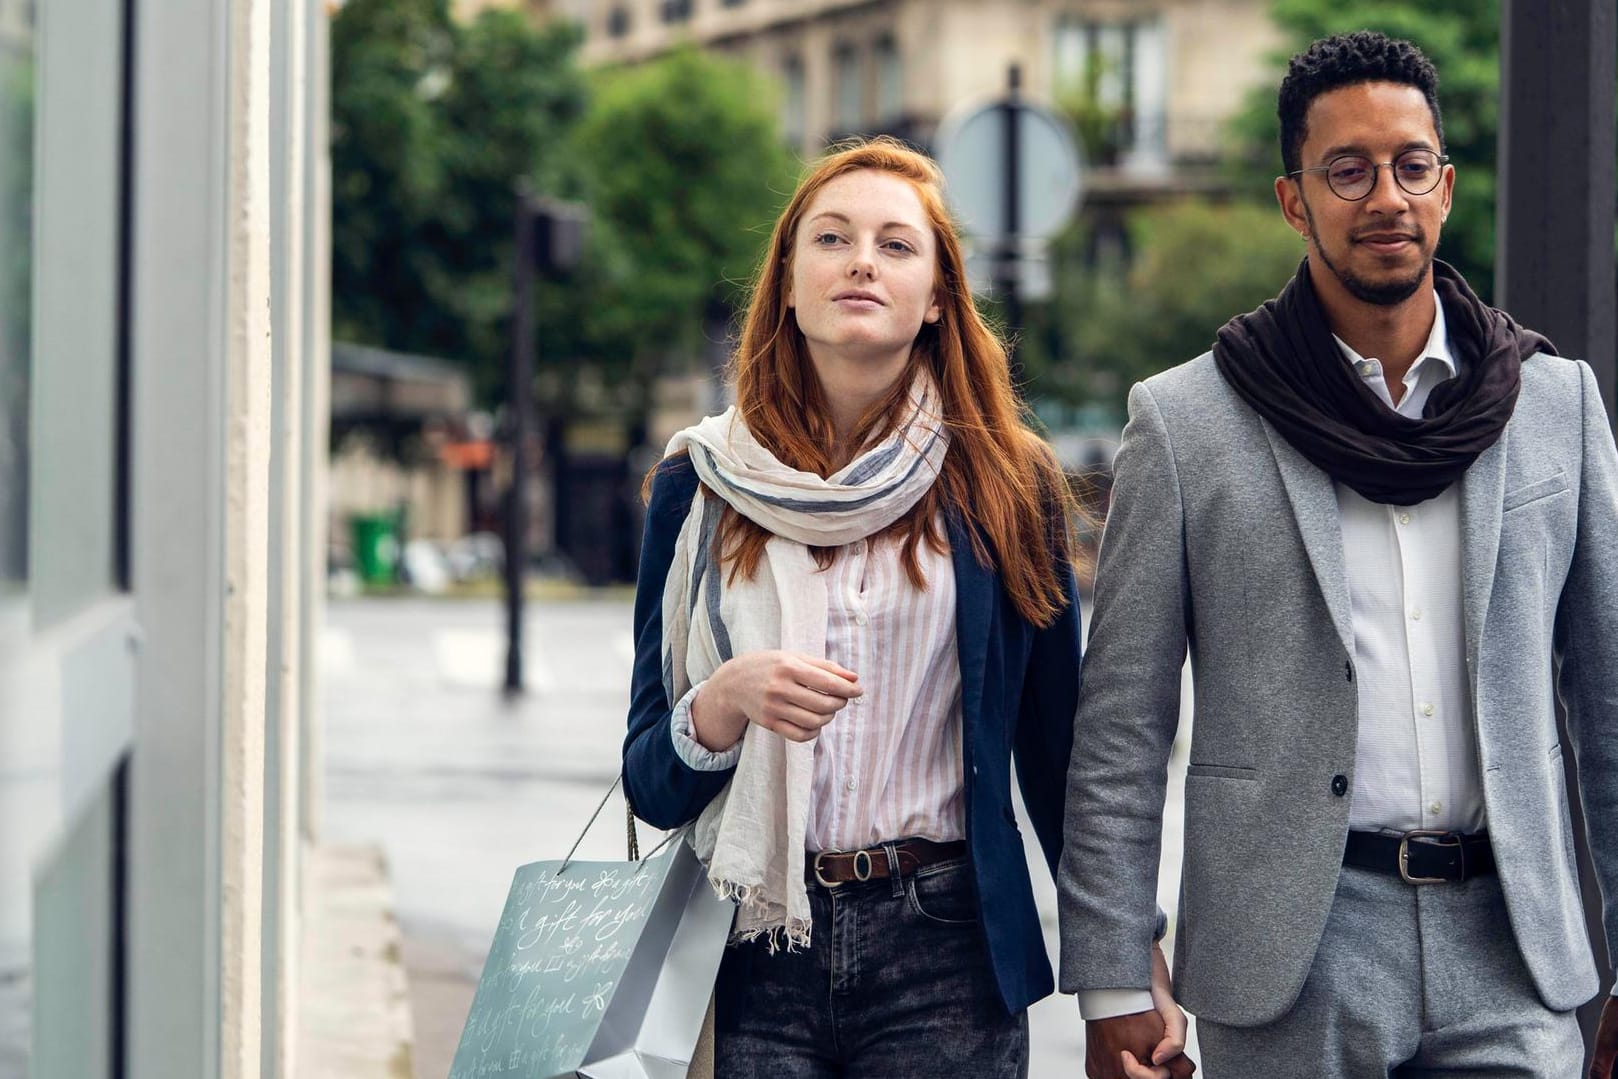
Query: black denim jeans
{"x": 896, "y": 984}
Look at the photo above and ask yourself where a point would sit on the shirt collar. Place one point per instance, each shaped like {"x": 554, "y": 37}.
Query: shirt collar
{"x": 1435, "y": 350}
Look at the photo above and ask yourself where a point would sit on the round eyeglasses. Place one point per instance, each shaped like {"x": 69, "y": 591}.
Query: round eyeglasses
{"x": 1351, "y": 177}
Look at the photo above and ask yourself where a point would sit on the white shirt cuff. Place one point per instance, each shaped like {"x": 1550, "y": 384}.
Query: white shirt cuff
{"x": 1106, "y": 1003}
{"x": 693, "y": 752}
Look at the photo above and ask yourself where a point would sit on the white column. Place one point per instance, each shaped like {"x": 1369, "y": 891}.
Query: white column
{"x": 246, "y": 490}
{"x": 201, "y": 419}
{"x": 316, "y": 411}
{"x": 283, "y": 698}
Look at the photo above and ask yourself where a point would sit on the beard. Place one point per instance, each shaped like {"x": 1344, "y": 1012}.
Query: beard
{"x": 1386, "y": 293}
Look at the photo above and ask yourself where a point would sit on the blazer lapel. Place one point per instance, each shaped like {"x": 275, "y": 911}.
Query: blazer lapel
{"x": 1314, "y": 506}
{"x": 974, "y": 596}
{"x": 1482, "y": 498}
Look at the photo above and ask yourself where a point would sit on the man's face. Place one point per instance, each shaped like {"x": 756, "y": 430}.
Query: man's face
{"x": 1378, "y": 249}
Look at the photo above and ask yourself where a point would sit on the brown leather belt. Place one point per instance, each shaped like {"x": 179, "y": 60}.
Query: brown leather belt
{"x": 834, "y": 867}
{"x": 1422, "y": 857}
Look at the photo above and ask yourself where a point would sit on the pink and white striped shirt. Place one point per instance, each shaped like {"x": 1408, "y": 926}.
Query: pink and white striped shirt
{"x": 889, "y": 765}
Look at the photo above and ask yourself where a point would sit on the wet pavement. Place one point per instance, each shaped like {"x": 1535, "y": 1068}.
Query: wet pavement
{"x": 457, "y": 786}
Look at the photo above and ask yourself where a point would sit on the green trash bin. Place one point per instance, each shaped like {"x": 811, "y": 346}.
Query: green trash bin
{"x": 376, "y": 547}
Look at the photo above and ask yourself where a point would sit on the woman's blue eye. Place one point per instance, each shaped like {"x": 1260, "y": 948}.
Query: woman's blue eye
{"x": 900, "y": 245}
{"x": 823, "y": 237}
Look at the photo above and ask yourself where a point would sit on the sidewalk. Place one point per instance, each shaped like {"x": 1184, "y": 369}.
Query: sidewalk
{"x": 355, "y": 1019}
{"x": 458, "y": 787}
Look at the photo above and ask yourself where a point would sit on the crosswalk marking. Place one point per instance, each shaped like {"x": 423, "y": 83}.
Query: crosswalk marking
{"x": 477, "y": 657}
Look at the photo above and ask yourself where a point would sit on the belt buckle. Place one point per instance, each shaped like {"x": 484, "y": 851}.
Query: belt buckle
{"x": 862, "y": 870}
{"x": 1427, "y": 833}
{"x": 823, "y": 881}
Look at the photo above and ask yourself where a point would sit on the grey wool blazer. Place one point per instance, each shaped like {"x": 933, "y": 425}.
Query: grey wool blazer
{"x": 1224, "y": 540}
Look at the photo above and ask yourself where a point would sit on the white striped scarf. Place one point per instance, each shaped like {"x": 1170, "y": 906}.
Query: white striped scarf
{"x": 752, "y": 835}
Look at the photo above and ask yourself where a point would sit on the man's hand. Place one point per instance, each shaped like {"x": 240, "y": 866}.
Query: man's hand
{"x": 1115, "y": 1048}
{"x": 1146, "y": 1045}
{"x": 1606, "y": 1042}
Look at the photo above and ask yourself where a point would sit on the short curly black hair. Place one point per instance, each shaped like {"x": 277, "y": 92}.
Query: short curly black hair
{"x": 1347, "y": 60}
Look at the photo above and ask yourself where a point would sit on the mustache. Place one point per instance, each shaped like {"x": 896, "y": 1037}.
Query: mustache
{"x": 1412, "y": 232}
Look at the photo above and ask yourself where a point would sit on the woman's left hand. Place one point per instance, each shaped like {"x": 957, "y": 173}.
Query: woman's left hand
{"x": 1170, "y": 1052}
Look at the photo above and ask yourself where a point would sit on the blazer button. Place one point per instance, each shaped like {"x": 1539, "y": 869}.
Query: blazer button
{"x": 1339, "y": 785}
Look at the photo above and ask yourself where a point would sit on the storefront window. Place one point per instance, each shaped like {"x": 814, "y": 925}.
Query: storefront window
{"x": 16, "y": 252}
{"x": 16, "y": 255}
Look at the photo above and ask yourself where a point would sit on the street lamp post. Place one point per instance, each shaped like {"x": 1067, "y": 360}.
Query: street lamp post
{"x": 549, "y": 243}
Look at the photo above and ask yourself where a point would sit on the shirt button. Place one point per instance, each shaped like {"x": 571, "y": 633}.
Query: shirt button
{"x": 861, "y": 619}
{"x": 1367, "y": 368}
{"x": 1426, "y": 709}
{"x": 1339, "y": 785}
{"x": 1415, "y": 613}
{"x": 1435, "y": 808}
{"x": 1404, "y": 518}
{"x": 851, "y": 784}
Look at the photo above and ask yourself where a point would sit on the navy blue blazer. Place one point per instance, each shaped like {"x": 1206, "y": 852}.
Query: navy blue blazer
{"x": 1019, "y": 691}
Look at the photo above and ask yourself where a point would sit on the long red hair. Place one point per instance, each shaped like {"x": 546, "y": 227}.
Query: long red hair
{"x": 998, "y": 476}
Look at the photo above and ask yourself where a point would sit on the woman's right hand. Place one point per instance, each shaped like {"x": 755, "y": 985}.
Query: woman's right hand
{"x": 790, "y": 693}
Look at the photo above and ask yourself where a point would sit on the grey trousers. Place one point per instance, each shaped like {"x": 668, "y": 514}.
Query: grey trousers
{"x": 1409, "y": 982}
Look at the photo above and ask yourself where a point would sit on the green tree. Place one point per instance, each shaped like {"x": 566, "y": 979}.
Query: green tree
{"x": 514, "y": 98}
{"x": 1462, "y": 39}
{"x": 433, "y": 125}
{"x": 390, "y": 61}
{"x": 686, "y": 171}
{"x": 1194, "y": 265}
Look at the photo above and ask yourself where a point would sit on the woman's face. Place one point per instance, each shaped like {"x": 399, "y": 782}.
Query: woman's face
{"x": 864, "y": 263}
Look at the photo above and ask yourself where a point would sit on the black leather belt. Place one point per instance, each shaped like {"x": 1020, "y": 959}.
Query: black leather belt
{"x": 834, "y": 867}
{"x": 1421, "y": 857}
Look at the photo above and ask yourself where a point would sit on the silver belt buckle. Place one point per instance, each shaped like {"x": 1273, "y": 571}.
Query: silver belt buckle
{"x": 862, "y": 869}
{"x": 1424, "y": 833}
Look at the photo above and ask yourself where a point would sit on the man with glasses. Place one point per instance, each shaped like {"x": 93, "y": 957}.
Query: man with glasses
{"x": 1383, "y": 518}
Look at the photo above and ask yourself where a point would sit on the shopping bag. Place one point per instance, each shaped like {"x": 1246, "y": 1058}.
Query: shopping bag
{"x": 601, "y": 970}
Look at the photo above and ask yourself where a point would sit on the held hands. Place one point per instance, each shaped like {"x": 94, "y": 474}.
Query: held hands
{"x": 789, "y": 693}
{"x": 1146, "y": 1045}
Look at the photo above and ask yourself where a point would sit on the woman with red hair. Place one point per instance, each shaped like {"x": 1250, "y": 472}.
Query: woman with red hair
{"x": 856, "y": 605}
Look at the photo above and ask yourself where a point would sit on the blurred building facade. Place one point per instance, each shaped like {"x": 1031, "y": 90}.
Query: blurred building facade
{"x": 164, "y": 222}
{"x": 538, "y": 10}
{"x": 1158, "y": 77}
{"x": 404, "y": 440}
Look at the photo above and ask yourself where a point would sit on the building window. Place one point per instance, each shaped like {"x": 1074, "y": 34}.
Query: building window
{"x": 890, "y": 82}
{"x": 792, "y": 100}
{"x": 618, "y": 22}
{"x": 1113, "y": 77}
{"x": 676, "y": 10}
{"x": 848, "y": 100}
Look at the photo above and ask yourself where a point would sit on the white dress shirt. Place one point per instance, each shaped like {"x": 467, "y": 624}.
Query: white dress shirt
{"x": 1416, "y": 763}
{"x": 889, "y": 764}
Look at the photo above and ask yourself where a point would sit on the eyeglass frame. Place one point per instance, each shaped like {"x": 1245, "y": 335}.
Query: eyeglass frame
{"x": 1443, "y": 159}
